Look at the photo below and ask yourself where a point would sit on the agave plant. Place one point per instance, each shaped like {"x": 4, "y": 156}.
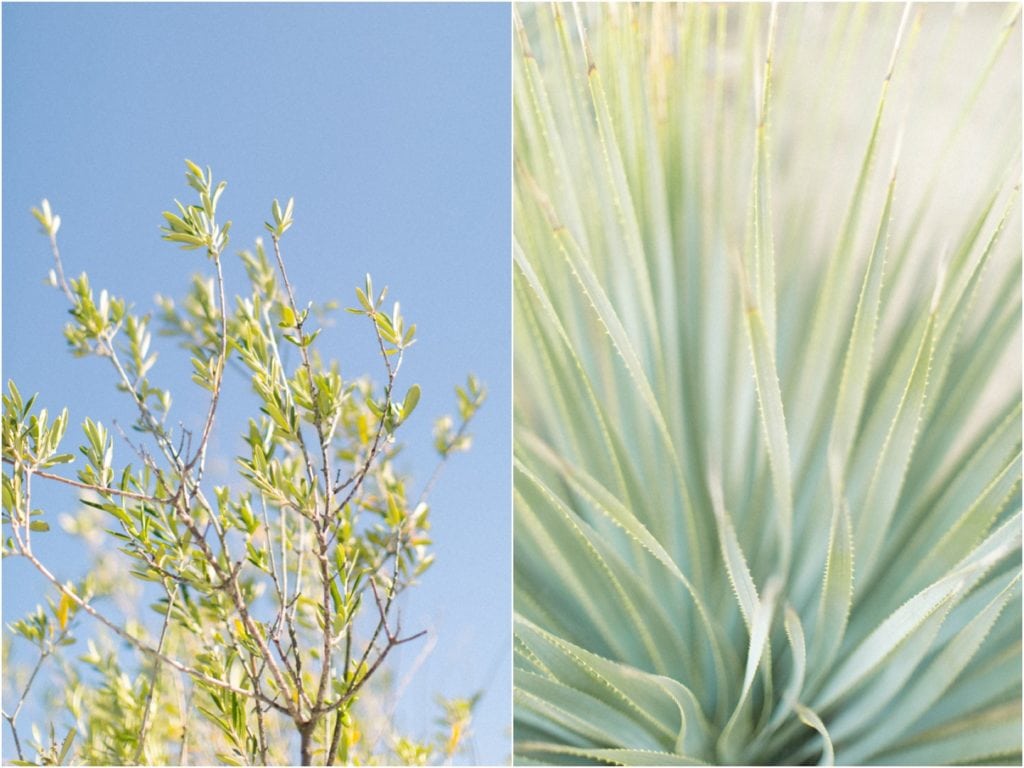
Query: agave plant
{"x": 768, "y": 399}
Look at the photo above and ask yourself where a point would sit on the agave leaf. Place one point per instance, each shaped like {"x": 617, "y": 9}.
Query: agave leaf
{"x": 621, "y": 195}
{"x": 549, "y": 135}
{"x": 810, "y": 718}
{"x": 585, "y": 610}
{"x": 737, "y": 729}
{"x": 981, "y": 737}
{"x": 627, "y": 601}
{"x": 523, "y": 760}
{"x": 764, "y": 245}
{"x": 955, "y": 492}
{"x": 578, "y": 669}
{"x": 610, "y": 756}
{"x": 580, "y": 712}
{"x": 857, "y": 364}
{"x": 1006, "y": 32}
{"x": 732, "y": 554}
{"x": 536, "y": 725}
{"x": 930, "y": 684}
{"x": 911, "y": 618}
{"x": 873, "y": 697}
{"x": 986, "y": 680}
{"x": 878, "y": 504}
{"x": 605, "y": 313}
{"x": 595, "y": 408}
{"x": 798, "y": 650}
{"x": 670, "y": 708}
{"x": 836, "y": 590}
{"x": 970, "y": 526}
{"x": 614, "y": 511}
{"x": 954, "y": 312}
{"x": 773, "y": 421}
{"x": 823, "y": 341}
{"x": 977, "y": 352}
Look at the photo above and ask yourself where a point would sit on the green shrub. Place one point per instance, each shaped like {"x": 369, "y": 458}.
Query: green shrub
{"x": 275, "y": 593}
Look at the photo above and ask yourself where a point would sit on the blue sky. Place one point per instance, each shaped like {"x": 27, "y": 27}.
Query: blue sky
{"x": 390, "y": 126}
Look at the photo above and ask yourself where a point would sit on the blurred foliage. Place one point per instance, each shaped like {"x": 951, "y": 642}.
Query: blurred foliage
{"x": 767, "y": 274}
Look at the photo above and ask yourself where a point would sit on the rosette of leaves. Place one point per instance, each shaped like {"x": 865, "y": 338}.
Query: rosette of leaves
{"x": 275, "y": 594}
{"x": 767, "y": 384}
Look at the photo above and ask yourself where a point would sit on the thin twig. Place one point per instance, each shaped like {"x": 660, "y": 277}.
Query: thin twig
{"x": 332, "y": 750}
{"x": 185, "y": 710}
{"x": 436, "y": 474}
{"x": 108, "y": 350}
{"x": 154, "y": 678}
{"x": 325, "y": 578}
{"x": 60, "y": 267}
{"x": 154, "y": 427}
{"x": 44, "y": 652}
{"x": 354, "y": 689}
{"x": 218, "y": 376}
{"x": 96, "y": 488}
{"x": 261, "y": 727}
{"x": 16, "y": 522}
{"x": 393, "y": 638}
{"x": 17, "y": 741}
{"x": 249, "y": 665}
{"x": 396, "y": 695}
{"x": 270, "y": 547}
{"x": 139, "y": 450}
{"x": 356, "y": 479}
{"x": 28, "y": 509}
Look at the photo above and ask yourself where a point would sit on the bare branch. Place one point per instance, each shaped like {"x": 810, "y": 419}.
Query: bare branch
{"x": 218, "y": 376}
{"x": 45, "y": 651}
{"x": 332, "y": 749}
{"x": 63, "y": 283}
{"x": 439, "y": 468}
{"x": 383, "y": 607}
{"x": 96, "y": 488}
{"x": 154, "y": 678}
{"x": 254, "y": 676}
{"x": 357, "y": 478}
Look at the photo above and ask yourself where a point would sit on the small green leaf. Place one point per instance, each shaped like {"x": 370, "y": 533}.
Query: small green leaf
{"x": 412, "y": 397}
{"x": 287, "y": 317}
{"x": 363, "y": 301}
{"x": 60, "y": 458}
{"x": 308, "y": 339}
{"x": 66, "y": 746}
